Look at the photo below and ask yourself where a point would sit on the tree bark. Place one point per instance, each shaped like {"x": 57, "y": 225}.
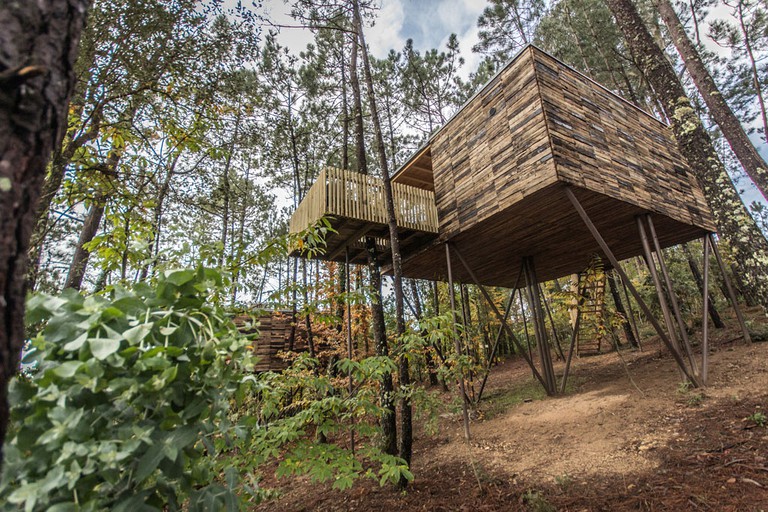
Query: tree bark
{"x": 55, "y": 176}
{"x": 38, "y": 47}
{"x": 712, "y": 310}
{"x": 735, "y": 225}
{"x": 227, "y": 191}
{"x": 628, "y": 333}
{"x": 721, "y": 113}
{"x": 406, "y": 422}
{"x": 389, "y": 417}
{"x": 79, "y": 262}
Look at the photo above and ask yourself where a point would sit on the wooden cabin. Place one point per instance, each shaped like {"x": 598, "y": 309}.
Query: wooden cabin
{"x": 492, "y": 181}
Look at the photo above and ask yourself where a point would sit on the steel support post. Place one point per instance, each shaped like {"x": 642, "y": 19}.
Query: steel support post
{"x": 498, "y": 337}
{"x": 539, "y": 324}
{"x": 574, "y": 335}
{"x": 615, "y": 263}
{"x": 705, "y": 316}
{"x": 500, "y": 317}
{"x": 672, "y": 296}
{"x": 651, "y": 264}
{"x": 457, "y": 344}
{"x": 729, "y": 287}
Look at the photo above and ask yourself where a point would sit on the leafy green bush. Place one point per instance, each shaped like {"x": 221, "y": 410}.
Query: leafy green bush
{"x": 127, "y": 406}
{"x": 286, "y": 413}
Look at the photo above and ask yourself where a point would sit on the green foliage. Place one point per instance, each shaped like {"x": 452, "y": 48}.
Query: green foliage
{"x": 564, "y": 482}
{"x": 127, "y": 407}
{"x": 286, "y": 413}
{"x": 499, "y": 401}
{"x": 758, "y": 418}
{"x": 536, "y": 502}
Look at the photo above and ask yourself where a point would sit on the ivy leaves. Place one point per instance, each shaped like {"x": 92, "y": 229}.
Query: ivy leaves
{"x": 127, "y": 397}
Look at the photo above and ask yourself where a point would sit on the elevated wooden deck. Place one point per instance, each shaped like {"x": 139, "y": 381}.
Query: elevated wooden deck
{"x": 354, "y": 204}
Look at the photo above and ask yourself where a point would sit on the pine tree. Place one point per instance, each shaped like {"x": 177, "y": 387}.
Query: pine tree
{"x": 734, "y": 224}
{"x": 754, "y": 165}
{"x": 37, "y": 58}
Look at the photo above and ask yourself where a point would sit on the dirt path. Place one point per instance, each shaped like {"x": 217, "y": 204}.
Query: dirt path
{"x": 627, "y": 437}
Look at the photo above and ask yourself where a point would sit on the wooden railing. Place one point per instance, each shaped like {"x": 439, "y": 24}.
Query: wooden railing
{"x": 341, "y": 193}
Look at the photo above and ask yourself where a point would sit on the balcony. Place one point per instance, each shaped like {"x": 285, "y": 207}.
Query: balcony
{"x": 355, "y": 205}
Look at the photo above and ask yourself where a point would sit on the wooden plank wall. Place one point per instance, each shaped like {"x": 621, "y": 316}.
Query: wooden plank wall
{"x": 608, "y": 145}
{"x": 274, "y": 329}
{"x": 494, "y": 152}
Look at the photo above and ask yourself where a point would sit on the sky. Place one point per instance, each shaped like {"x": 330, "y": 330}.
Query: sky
{"x": 428, "y": 22}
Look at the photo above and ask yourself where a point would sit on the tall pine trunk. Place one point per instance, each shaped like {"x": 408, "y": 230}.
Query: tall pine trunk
{"x": 79, "y": 263}
{"x": 389, "y": 417}
{"x": 406, "y": 423}
{"x": 721, "y": 113}
{"x": 38, "y": 47}
{"x": 734, "y": 224}
{"x": 53, "y": 180}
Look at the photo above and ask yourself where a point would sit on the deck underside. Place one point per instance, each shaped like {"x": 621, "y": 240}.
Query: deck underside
{"x": 352, "y": 233}
{"x": 546, "y": 227}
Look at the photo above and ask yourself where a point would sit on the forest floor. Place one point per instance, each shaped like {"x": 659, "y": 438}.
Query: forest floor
{"x": 626, "y": 436}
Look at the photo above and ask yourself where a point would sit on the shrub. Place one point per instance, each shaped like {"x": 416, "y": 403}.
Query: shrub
{"x": 126, "y": 407}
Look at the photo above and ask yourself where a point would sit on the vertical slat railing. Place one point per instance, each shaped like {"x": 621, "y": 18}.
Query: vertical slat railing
{"x": 353, "y": 195}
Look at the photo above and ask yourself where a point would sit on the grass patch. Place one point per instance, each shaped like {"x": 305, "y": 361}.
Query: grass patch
{"x": 500, "y": 400}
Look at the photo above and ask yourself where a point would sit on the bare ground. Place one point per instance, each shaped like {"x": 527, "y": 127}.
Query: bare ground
{"x": 627, "y": 437}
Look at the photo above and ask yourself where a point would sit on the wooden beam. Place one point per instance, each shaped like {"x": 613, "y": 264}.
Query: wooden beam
{"x": 609, "y": 254}
{"x": 360, "y": 233}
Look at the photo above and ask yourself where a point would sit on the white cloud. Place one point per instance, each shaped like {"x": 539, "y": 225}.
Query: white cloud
{"x": 386, "y": 33}
{"x": 428, "y": 22}
{"x": 295, "y": 39}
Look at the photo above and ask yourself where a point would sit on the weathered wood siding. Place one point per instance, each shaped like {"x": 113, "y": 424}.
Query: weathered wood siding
{"x": 494, "y": 152}
{"x": 610, "y": 146}
{"x": 539, "y": 122}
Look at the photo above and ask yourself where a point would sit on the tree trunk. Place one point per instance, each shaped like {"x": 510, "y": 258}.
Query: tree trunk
{"x": 38, "y": 47}
{"x": 735, "y": 225}
{"x": 237, "y": 256}
{"x": 753, "y": 66}
{"x": 79, "y": 263}
{"x": 713, "y": 314}
{"x": 53, "y": 179}
{"x": 406, "y": 434}
{"x": 721, "y": 113}
{"x": 428, "y": 359}
{"x": 628, "y": 333}
{"x": 389, "y": 417}
{"x": 226, "y": 186}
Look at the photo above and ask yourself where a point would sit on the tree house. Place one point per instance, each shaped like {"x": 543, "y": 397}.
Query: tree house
{"x": 491, "y": 181}
{"x": 537, "y": 166}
